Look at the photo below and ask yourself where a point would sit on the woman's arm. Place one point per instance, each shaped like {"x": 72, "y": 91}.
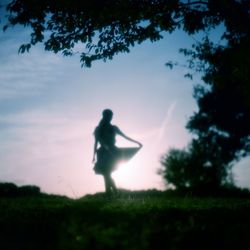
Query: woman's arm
{"x": 119, "y": 132}
{"x": 95, "y": 149}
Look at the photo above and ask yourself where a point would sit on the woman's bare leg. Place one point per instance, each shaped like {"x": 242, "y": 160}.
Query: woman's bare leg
{"x": 109, "y": 184}
{"x": 112, "y": 182}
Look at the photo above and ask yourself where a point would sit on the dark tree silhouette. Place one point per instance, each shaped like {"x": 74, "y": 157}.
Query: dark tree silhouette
{"x": 200, "y": 167}
{"x": 222, "y": 123}
{"x": 224, "y": 107}
{"x": 109, "y": 27}
{"x": 12, "y": 190}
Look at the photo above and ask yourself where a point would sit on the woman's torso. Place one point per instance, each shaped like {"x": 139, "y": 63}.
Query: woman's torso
{"x": 105, "y": 135}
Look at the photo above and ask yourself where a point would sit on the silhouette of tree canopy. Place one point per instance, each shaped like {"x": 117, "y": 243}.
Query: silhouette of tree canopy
{"x": 222, "y": 122}
{"x": 224, "y": 107}
{"x": 109, "y": 27}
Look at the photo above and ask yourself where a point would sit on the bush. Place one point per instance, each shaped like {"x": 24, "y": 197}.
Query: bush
{"x": 194, "y": 168}
{"x": 11, "y": 190}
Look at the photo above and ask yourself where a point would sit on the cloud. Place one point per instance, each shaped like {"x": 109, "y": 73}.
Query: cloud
{"x": 167, "y": 119}
{"x": 157, "y": 135}
{"x": 25, "y": 74}
{"x": 36, "y": 124}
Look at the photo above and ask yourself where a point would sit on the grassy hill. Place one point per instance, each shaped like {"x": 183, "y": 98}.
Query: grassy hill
{"x": 133, "y": 220}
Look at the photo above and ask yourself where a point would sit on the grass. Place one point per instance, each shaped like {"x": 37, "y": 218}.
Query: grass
{"x": 134, "y": 220}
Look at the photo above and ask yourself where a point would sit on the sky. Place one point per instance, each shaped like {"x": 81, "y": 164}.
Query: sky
{"x": 49, "y": 107}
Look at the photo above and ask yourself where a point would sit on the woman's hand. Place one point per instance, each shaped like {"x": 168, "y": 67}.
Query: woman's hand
{"x": 119, "y": 132}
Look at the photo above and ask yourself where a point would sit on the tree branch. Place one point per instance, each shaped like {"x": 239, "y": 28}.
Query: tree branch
{"x": 194, "y": 3}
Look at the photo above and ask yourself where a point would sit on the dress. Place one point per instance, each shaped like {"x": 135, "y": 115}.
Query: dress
{"x": 108, "y": 159}
{"x": 108, "y": 155}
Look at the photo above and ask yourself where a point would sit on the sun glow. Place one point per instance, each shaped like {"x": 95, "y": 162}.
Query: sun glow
{"x": 126, "y": 173}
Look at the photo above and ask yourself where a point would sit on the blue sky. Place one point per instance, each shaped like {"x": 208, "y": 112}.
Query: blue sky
{"x": 49, "y": 107}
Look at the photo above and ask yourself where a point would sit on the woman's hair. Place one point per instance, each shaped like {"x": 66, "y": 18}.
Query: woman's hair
{"x": 104, "y": 123}
{"x": 107, "y": 115}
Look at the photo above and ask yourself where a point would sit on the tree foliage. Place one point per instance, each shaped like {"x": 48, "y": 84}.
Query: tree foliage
{"x": 198, "y": 167}
{"x": 228, "y": 75}
{"x": 222, "y": 122}
{"x": 224, "y": 107}
{"x": 109, "y": 27}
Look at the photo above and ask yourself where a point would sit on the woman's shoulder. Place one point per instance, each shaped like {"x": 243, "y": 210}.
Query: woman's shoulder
{"x": 115, "y": 128}
{"x": 108, "y": 128}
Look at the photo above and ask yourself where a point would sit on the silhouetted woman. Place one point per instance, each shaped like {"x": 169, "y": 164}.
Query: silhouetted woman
{"x": 108, "y": 155}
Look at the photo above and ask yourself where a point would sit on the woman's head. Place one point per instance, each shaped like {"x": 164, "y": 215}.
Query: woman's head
{"x": 107, "y": 115}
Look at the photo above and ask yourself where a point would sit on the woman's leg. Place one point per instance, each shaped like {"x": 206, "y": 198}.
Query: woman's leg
{"x": 112, "y": 183}
{"x": 109, "y": 183}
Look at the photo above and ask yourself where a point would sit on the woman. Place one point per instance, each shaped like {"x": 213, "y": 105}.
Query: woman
{"x": 108, "y": 155}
